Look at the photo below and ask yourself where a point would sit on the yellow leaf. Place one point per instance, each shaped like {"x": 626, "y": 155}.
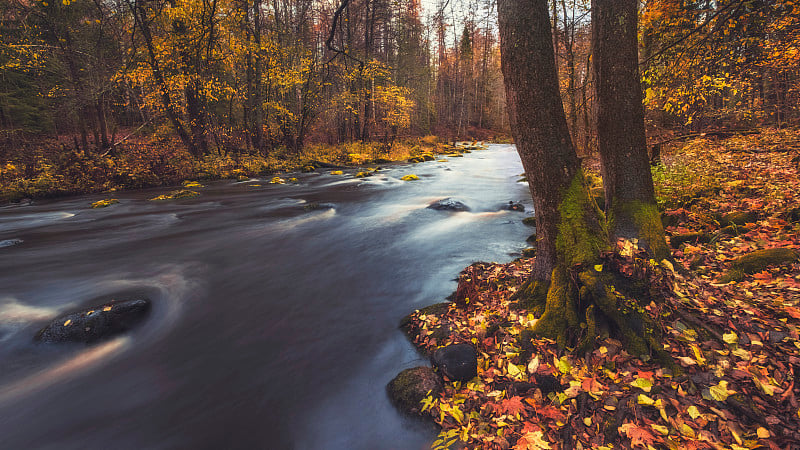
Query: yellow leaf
{"x": 686, "y": 430}
{"x": 698, "y": 355}
{"x": 598, "y": 267}
{"x": 587, "y": 421}
{"x": 694, "y": 413}
{"x": 643, "y": 384}
{"x": 645, "y": 400}
{"x": 763, "y": 433}
{"x": 720, "y": 391}
{"x": 69, "y": 321}
{"x": 660, "y": 428}
{"x": 107, "y": 308}
{"x": 730, "y": 338}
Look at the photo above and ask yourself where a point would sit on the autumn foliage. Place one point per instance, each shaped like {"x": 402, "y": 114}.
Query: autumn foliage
{"x": 734, "y": 347}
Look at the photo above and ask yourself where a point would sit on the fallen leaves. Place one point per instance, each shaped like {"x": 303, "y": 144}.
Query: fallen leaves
{"x": 737, "y": 344}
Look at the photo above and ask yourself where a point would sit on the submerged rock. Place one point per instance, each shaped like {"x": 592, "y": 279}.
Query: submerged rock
{"x": 410, "y": 386}
{"x": 10, "y": 242}
{"x": 459, "y": 362}
{"x": 514, "y": 206}
{"x": 448, "y": 204}
{"x": 96, "y": 323}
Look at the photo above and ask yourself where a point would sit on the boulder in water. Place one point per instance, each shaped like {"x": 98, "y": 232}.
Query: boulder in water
{"x": 410, "y": 386}
{"x": 459, "y": 362}
{"x": 96, "y": 323}
{"x": 448, "y": 204}
{"x": 514, "y": 206}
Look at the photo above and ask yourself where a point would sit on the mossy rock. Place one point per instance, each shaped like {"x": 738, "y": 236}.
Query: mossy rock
{"x": 337, "y": 172}
{"x": 174, "y": 195}
{"x": 242, "y": 178}
{"x": 758, "y": 261}
{"x": 733, "y": 230}
{"x": 738, "y": 218}
{"x": 531, "y": 239}
{"x": 277, "y": 180}
{"x": 416, "y": 159}
{"x": 410, "y": 177}
{"x": 192, "y": 184}
{"x": 309, "y": 169}
{"x": 363, "y": 174}
{"x": 529, "y": 221}
{"x": 411, "y": 386}
{"x": 105, "y": 203}
{"x": 529, "y": 252}
{"x": 689, "y": 238}
{"x": 427, "y": 157}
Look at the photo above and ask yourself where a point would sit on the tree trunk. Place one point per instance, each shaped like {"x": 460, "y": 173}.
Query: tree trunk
{"x": 570, "y": 285}
{"x": 628, "y": 184}
{"x": 537, "y": 121}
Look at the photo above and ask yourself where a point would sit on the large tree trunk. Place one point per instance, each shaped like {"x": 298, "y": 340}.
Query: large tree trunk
{"x": 538, "y": 122}
{"x": 575, "y": 293}
{"x": 628, "y": 184}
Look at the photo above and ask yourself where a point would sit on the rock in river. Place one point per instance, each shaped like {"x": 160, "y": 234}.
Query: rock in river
{"x": 448, "y": 204}
{"x": 410, "y": 386}
{"x": 96, "y": 323}
{"x": 459, "y": 362}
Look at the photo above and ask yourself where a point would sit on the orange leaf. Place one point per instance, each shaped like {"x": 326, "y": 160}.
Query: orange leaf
{"x": 513, "y": 406}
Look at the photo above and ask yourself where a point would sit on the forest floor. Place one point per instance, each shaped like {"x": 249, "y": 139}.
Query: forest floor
{"x": 736, "y": 345}
{"x": 52, "y": 168}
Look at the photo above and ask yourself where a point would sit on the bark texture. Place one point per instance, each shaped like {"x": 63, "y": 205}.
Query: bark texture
{"x": 537, "y": 118}
{"x": 628, "y": 184}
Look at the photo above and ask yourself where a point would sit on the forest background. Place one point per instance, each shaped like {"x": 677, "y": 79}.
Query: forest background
{"x": 98, "y": 95}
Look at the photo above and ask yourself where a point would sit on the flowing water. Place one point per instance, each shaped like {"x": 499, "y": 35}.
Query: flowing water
{"x": 274, "y": 324}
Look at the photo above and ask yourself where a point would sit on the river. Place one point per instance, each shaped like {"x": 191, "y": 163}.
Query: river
{"x": 274, "y": 324}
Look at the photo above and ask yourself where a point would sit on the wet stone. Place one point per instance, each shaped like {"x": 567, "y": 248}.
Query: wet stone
{"x": 458, "y": 362}
{"x": 448, "y": 204}
{"x": 96, "y": 323}
{"x": 410, "y": 386}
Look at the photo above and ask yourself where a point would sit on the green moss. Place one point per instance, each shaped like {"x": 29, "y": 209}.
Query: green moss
{"x": 758, "y": 261}
{"x": 181, "y": 193}
{"x": 580, "y": 236}
{"x": 733, "y": 230}
{"x": 738, "y": 218}
{"x": 689, "y": 238}
{"x": 411, "y": 386}
{"x": 560, "y": 314}
{"x": 647, "y": 221}
{"x": 531, "y": 296}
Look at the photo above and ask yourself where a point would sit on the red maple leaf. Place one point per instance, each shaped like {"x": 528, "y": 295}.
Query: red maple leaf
{"x": 638, "y": 435}
{"x": 513, "y": 406}
{"x": 551, "y": 413}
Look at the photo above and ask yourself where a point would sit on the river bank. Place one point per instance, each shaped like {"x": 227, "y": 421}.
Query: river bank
{"x": 52, "y": 169}
{"x": 730, "y": 321}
